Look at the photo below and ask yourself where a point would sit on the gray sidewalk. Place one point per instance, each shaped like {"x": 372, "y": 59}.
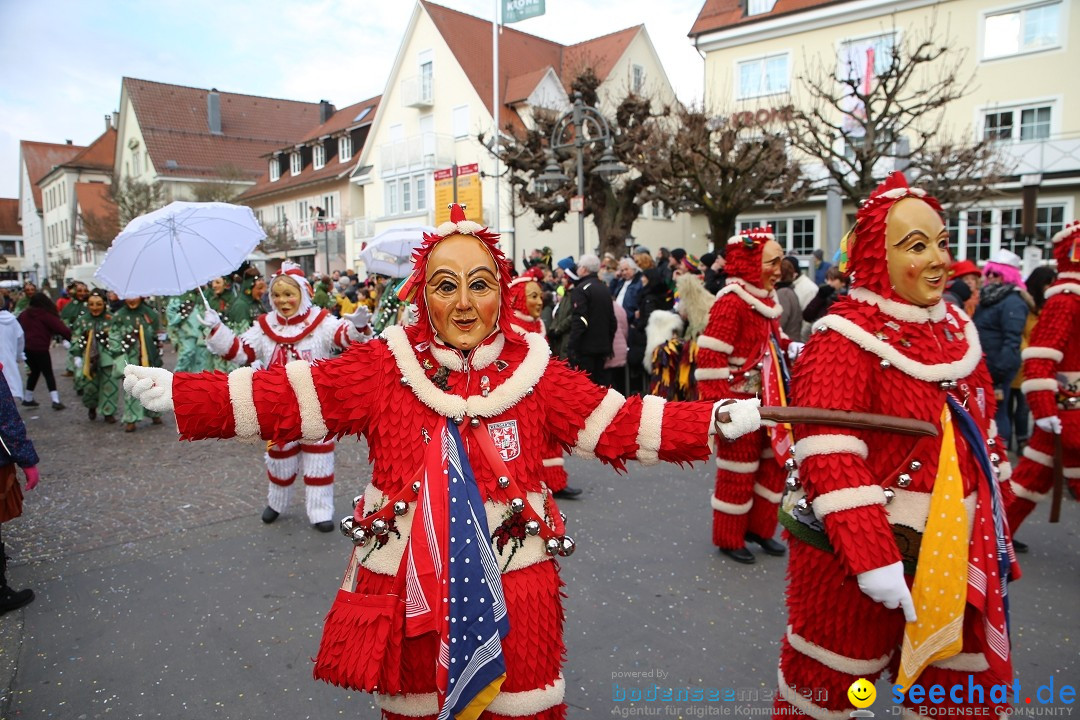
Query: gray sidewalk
{"x": 160, "y": 594}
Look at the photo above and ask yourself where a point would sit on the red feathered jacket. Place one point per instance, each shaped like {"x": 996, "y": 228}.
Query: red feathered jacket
{"x": 1052, "y": 357}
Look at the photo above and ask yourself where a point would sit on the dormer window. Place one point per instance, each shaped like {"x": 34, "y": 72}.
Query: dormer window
{"x": 759, "y": 7}
{"x": 344, "y": 148}
{"x": 295, "y": 164}
{"x": 275, "y": 170}
{"x": 318, "y": 156}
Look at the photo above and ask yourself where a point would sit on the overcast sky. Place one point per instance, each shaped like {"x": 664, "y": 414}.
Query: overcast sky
{"x": 61, "y": 61}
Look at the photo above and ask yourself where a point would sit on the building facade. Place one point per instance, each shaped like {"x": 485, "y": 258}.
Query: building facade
{"x": 36, "y": 159}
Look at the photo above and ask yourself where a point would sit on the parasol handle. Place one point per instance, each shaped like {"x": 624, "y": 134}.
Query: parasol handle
{"x": 204, "y": 302}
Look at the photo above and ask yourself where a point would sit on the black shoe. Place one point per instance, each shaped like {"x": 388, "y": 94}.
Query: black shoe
{"x": 740, "y": 555}
{"x": 324, "y": 526}
{"x": 155, "y": 421}
{"x": 770, "y": 546}
{"x": 14, "y": 599}
{"x": 111, "y": 419}
{"x": 270, "y": 515}
{"x": 1019, "y": 546}
{"x": 92, "y": 413}
{"x": 30, "y": 403}
{"x": 568, "y": 493}
{"x": 58, "y": 406}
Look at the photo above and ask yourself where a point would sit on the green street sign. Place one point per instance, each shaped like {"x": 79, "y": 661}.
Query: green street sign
{"x": 516, "y": 10}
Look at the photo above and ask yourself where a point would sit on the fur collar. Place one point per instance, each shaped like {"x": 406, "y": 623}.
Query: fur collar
{"x": 483, "y": 355}
{"x": 1068, "y": 276}
{"x": 752, "y": 289}
{"x": 499, "y": 400}
{"x": 742, "y": 289}
{"x": 1067, "y": 287}
{"x": 899, "y": 310}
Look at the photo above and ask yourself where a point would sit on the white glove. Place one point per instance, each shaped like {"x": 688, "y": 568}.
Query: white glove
{"x": 77, "y": 363}
{"x": 1050, "y": 424}
{"x": 745, "y": 417}
{"x": 886, "y": 585}
{"x": 67, "y": 344}
{"x": 162, "y": 337}
{"x": 360, "y": 318}
{"x": 210, "y": 318}
{"x": 793, "y": 349}
{"x": 150, "y": 386}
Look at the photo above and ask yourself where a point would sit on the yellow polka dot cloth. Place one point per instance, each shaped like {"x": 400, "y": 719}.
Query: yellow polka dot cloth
{"x": 940, "y": 588}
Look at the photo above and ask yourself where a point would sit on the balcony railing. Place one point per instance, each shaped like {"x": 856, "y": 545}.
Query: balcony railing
{"x": 417, "y": 91}
{"x": 1060, "y": 153}
{"x": 362, "y": 227}
{"x": 314, "y": 228}
{"x": 426, "y": 151}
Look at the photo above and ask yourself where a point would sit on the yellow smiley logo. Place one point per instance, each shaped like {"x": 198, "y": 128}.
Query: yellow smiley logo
{"x": 862, "y": 693}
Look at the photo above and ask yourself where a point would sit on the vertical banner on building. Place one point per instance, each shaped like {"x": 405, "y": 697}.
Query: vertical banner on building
{"x": 469, "y": 192}
{"x": 516, "y": 10}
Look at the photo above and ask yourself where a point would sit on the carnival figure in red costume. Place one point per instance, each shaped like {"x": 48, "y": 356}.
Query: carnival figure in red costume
{"x": 884, "y": 528}
{"x": 1052, "y": 384}
{"x": 296, "y": 331}
{"x": 460, "y": 394}
{"x": 733, "y": 353}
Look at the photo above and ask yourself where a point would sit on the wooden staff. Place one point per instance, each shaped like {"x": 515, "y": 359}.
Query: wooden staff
{"x": 1059, "y": 480}
{"x": 841, "y": 418}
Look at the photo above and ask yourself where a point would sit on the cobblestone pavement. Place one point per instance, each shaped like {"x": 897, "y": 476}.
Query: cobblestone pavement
{"x": 160, "y": 594}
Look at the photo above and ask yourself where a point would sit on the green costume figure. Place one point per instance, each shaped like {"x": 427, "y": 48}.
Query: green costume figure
{"x": 221, "y": 301}
{"x": 99, "y": 386}
{"x": 76, "y": 307}
{"x": 186, "y": 332}
{"x": 133, "y": 340}
{"x": 321, "y": 298}
{"x": 245, "y": 308}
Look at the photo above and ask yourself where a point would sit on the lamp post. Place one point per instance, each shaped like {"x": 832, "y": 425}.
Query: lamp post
{"x": 590, "y": 126}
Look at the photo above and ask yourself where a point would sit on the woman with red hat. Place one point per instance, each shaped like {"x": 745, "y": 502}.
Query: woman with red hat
{"x": 459, "y": 411}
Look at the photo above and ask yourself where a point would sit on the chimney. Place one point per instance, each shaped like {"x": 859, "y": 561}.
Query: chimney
{"x": 213, "y": 111}
{"x": 108, "y": 122}
{"x": 69, "y": 142}
{"x": 325, "y": 111}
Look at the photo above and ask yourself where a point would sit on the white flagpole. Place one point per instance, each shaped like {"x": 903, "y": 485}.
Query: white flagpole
{"x": 495, "y": 107}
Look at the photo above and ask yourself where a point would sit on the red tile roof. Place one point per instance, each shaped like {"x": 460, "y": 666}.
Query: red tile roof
{"x": 94, "y": 199}
{"x": 9, "y": 217}
{"x": 343, "y": 120}
{"x": 520, "y": 55}
{"x": 41, "y": 158}
{"x": 519, "y": 87}
{"x": 721, "y": 14}
{"x": 99, "y": 155}
{"x": 173, "y": 122}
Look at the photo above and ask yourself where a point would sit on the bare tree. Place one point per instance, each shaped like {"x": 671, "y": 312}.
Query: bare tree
{"x": 861, "y": 128}
{"x": 58, "y": 270}
{"x": 134, "y": 198}
{"x": 101, "y": 227}
{"x": 232, "y": 181}
{"x": 723, "y": 166}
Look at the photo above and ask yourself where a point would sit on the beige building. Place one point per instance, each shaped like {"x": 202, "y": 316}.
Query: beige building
{"x": 1020, "y": 55}
{"x": 11, "y": 242}
{"x": 439, "y": 98}
{"x": 36, "y": 159}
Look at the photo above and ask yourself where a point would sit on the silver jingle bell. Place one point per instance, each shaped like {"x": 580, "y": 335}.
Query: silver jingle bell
{"x": 380, "y": 527}
{"x": 401, "y": 507}
{"x": 991, "y": 442}
{"x": 475, "y": 422}
{"x": 346, "y": 525}
{"x": 458, "y": 421}
{"x": 532, "y": 527}
{"x": 356, "y": 501}
{"x": 416, "y": 486}
{"x": 904, "y": 480}
{"x": 995, "y": 458}
{"x": 803, "y": 506}
{"x": 889, "y": 495}
{"x": 790, "y": 464}
{"x": 517, "y": 505}
{"x": 885, "y": 364}
{"x": 915, "y": 464}
{"x": 567, "y": 546}
{"x": 359, "y": 537}
{"x": 404, "y": 380}
{"x": 821, "y": 329}
{"x": 552, "y": 546}
{"x": 504, "y": 482}
{"x": 792, "y": 483}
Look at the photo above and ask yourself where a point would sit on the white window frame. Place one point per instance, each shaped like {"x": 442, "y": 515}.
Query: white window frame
{"x": 864, "y": 40}
{"x": 996, "y": 208}
{"x": 421, "y": 194}
{"x": 785, "y": 239}
{"x": 1021, "y": 9}
{"x": 345, "y": 149}
{"x": 275, "y": 169}
{"x": 330, "y": 205}
{"x": 136, "y": 163}
{"x": 1017, "y": 108}
{"x": 318, "y": 156}
{"x": 759, "y": 7}
{"x": 296, "y": 163}
{"x": 637, "y": 78}
{"x": 405, "y": 188}
{"x": 460, "y": 122}
{"x": 390, "y": 198}
{"x": 762, "y": 60}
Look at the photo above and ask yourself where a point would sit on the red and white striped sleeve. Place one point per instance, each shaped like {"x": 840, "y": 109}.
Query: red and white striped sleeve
{"x": 224, "y": 342}
{"x": 1045, "y": 352}
{"x": 715, "y": 346}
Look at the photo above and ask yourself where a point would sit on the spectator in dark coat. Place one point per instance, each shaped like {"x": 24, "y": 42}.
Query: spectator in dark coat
{"x": 626, "y": 286}
{"x": 791, "y": 314}
{"x": 712, "y": 266}
{"x": 18, "y": 451}
{"x": 827, "y": 294}
{"x": 655, "y": 295}
{"x": 820, "y": 266}
{"x": 559, "y": 329}
{"x": 592, "y": 327}
{"x": 1000, "y": 320}
{"x": 958, "y": 293}
{"x": 40, "y": 321}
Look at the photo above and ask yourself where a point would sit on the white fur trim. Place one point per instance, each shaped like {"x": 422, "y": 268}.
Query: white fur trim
{"x": 1069, "y": 276}
{"x": 277, "y": 497}
{"x": 465, "y": 227}
{"x": 1065, "y": 232}
{"x": 1072, "y": 288}
{"x": 517, "y": 704}
{"x": 1038, "y": 457}
{"x": 524, "y": 317}
{"x": 245, "y": 417}
{"x": 662, "y": 326}
{"x": 899, "y": 310}
{"x": 487, "y": 353}
{"x": 835, "y": 661}
{"x": 740, "y": 290}
{"x": 705, "y": 342}
{"x": 1070, "y": 473}
{"x": 1030, "y": 386}
{"x": 731, "y": 508}
{"x": 752, "y": 289}
{"x": 743, "y": 468}
{"x": 602, "y": 415}
{"x": 847, "y": 499}
{"x": 220, "y": 340}
{"x": 1036, "y": 352}
{"x": 312, "y": 427}
{"x": 803, "y": 705}
{"x": 993, "y": 428}
{"x": 964, "y": 662}
{"x": 319, "y": 502}
{"x": 910, "y": 508}
{"x": 553, "y": 462}
{"x": 762, "y": 491}
{"x": 649, "y": 428}
{"x": 706, "y": 374}
{"x": 736, "y": 362}
{"x": 1023, "y": 493}
{"x": 527, "y": 374}
{"x": 1004, "y": 471}
{"x": 447, "y": 357}
{"x": 743, "y": 417}
{"x": 829, "y": 444}
{"x": 929, "y": 373}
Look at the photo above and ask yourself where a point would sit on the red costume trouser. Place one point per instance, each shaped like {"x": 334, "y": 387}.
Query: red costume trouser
{"x": 749, "y": 483}
{"x": 316, "y": 461}
{"x": 1033, "y": 477}
{"x": 533, "y": 651}
{"x": 836, "y": 634}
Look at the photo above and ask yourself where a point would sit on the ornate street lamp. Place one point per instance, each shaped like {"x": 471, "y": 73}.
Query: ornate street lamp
{"x": 589, "y": 127}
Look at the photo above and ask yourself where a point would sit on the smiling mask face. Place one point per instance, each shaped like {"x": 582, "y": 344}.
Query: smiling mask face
{"x": 461, "y": 290}
{"x": 917, "y": 251}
